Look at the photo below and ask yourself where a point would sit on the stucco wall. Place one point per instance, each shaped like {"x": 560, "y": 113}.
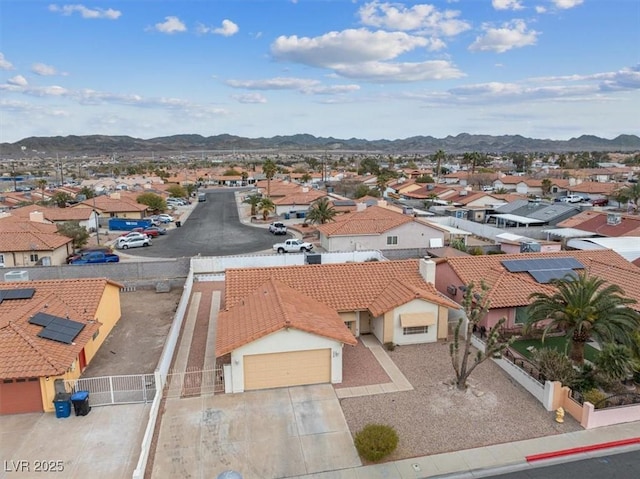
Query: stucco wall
{"x": 108, "y": 314}
{"x": 415, "y": 306}
{"x": 410, "y": 235}
{"x": 284, "y": 341}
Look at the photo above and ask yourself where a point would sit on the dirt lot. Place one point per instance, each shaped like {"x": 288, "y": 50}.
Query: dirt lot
{"x": 436, "y": 418}
{"x": 135, "y": 343}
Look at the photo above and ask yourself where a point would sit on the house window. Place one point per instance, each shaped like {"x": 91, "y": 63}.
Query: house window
{"x": 522, "y": 315}
{"x": 392, "y": 240}
{"x": 2, "y": 260}
{"x": 96, "y": 334}
{"x": 415, "y": 330}
{"x": 33, "y": 258}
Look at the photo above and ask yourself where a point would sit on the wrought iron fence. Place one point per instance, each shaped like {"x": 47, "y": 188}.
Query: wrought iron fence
{"x": 194, "y": 382}
{"x": 107, "y": 390}
{"x": 527, "y": 366}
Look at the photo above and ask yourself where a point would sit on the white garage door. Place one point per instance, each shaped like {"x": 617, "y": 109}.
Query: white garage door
{"x": 276, "y": 370}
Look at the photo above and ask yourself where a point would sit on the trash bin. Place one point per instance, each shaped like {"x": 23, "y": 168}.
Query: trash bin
{"x": 178, "y": 224}
{"x": 80, "y": 402}
{"x": 287, "y": 216}
{"x": 62, "y": 405}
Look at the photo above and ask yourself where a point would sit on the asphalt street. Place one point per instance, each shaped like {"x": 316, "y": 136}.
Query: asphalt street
{"x": 212, "y": 229}
{"x": 616, "y": 466}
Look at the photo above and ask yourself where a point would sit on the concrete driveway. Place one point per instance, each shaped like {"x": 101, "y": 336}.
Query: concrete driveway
{"x": 261, "y": 434}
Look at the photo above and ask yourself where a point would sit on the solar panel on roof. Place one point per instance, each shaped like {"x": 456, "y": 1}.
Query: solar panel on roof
{"x": 22, "y": 293}
{"x": 541, "y": 264}
{"x": 55, "y": 328}
{"x": 548, "y": 275}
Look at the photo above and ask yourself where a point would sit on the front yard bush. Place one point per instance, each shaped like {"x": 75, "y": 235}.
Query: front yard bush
{"x": 376, "y": 441}
{"x": 594, "y": 396}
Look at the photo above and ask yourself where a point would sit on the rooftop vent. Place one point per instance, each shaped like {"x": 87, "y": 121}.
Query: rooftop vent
{"x": 614, "y": 219}
{"x": 13, "y": 276}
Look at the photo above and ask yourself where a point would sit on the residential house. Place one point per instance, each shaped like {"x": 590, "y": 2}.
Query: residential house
{"x": 379, "y": 228}
{"x": 519, "y": 184}
{"x": 34, "y": 353}
{"x": 286, "y": 326}
{"x": 543, "y": 212}
{"x": 604, "y": 223}
{"x": 512, "y": 278}
{"x": 297, "y": 202}
{"x": 115, "y": 205}
{"x": 87, "y": 218}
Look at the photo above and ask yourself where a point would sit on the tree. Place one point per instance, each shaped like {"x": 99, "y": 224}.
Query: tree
{"x": 72, "y": 229}
{"x": 422, "y": 179}
{"x": 177, "y": 191}
{"x": 61, "y": 198}
{"x": 632, "y": 192}
{"x": 476, "y": 306}
{"x": 361, "y": 190}
{"x": 321, "y": 212}
{"x": 231, "y": 172}
{"x": 190, "y": 189}
{"x": 554, "y": 365}
{"x": 266, "y": 206}
{"x": 42, "y": 184}
{"x": 305, "y": 178}
{"x": 585, "y": 309}
{"x": 253, "y": 200}
{"x": 438, "y": 157}
{"x": 369, "y": 165}
{"x": 474, "y": 160}
{"x": 153, "y": 201}
{"x": 269, "y": 169}
{"x": 546, "y": 186}
{"x": 87, "y": 192}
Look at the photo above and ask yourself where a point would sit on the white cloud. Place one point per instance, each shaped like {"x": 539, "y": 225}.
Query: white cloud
{"x": 4, "y": 63}
{"x": 302, "y": 85}
{"x": 348, "y": 46}
{"x": 507, "y": 4}
{"x": 85, "y": 12}
{"x": 227, "y": 29}
{"x": 423, "y": 18}
{"x": 43, "y": 70}
{"x": 566, "y": 4}
{"x": 513, "y": 34}
{"x": 250, "y": 98}
{"x": 18, "y": 80}
{"x": 381, "y": 72}
{"x": 171, "y": 25}
{"x": 541, "y": 9}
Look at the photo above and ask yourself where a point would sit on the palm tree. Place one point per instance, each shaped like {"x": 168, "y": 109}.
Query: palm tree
{"x": 253, "y": 201}
{"x": 266, "y": 206}
{"x": 585, "y": 309}
{"x": 438, "y": 157}
{"x": 321, "y": 212}
{"x": 42, "y": 184}
{"x": 269, "y": 169}
{"x": 633, "y": 193}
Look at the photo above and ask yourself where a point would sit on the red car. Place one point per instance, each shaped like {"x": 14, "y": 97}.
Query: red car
{"x": 600, "y": 202}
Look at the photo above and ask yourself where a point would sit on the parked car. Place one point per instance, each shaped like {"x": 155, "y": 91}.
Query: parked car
{"x": 600, "y": 202}
{"x": 154, "y": 231}
{"x": 134, "y": 241}
{"x": 131, "y": 237}
{"x": 95, "y": 257}
{"x": 293, "y": 246}
{"x": 134, "y": 230}
{"x": 278, "y": 228}
{"x": 165, "y": 218}
{"x": 80, "y": 252}
{"x": 572, "y": 199}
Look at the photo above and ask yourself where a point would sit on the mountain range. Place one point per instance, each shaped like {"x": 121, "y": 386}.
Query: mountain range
{"x": 464, "y": 142}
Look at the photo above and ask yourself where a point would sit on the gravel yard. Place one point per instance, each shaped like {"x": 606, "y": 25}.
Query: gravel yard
{"x": 436, "y": 418}
{"x": 360, "y": 368}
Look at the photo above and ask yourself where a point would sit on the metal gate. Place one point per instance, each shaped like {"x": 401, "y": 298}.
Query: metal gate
{"x": 107, "y": 390}
{"x": 194, "y": 383}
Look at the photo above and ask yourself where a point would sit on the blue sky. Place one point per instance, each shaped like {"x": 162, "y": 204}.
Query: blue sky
{"x": 343, "y": 68}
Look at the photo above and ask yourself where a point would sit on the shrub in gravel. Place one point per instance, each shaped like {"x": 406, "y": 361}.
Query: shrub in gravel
{"x": 376, "y": 441}
{"x": 595, "y": 397}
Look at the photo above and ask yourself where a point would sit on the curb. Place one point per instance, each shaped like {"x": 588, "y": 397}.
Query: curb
{"x": 582, "y": 449}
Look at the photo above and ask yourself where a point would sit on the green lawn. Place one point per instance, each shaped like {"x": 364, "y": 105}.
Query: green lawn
{"x": 556, "y": 342}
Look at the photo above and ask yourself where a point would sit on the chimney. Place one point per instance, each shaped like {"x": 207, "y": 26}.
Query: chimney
{"x": 428, "y": 270}
{"x": 305, "y": 189}
{"x": 36, "y": 217}
{"x": 361, "y": 206}
{"x": 115, "y": 195}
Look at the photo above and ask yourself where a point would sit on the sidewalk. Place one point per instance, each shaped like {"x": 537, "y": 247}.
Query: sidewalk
{"x": 502, "y": 458}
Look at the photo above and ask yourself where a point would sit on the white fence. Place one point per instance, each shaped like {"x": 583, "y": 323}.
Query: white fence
{"x": 194, "y": 383}
{"x": 218, "y": 264}
{"x": 108, "y": 390}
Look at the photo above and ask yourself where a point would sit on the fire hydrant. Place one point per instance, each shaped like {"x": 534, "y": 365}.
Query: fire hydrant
{"x": 560, "y": 415}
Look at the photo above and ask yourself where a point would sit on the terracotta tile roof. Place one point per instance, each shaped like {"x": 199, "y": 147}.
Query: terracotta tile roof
{"x": 54, "y": 214}
{"x": 513, "y": 289}
{"x": 31, "y": 241}
{"x": 300, "y": 197}
{"x": 12, "y": 224}
{"x": 110, "y": 205}
{"x": 342, "y": 287}
{"x": 594, "y": 187}
{"x": 374, "y": 220}
{"x": 272, "y": 307}
{"x": 22, "y": 352}
{"x": 596, "y": 222}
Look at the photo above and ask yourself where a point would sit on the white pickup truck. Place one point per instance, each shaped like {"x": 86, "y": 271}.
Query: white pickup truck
{"x": 293, "y": 246}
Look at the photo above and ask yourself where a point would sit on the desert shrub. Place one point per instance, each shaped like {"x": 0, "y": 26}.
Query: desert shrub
{"x": 389, "y": 346}
{"x": 376, "y": 441}
{"x": 555, "y": 366}
{"x": 595, "y": 396}
{"x": 475, "y": 251}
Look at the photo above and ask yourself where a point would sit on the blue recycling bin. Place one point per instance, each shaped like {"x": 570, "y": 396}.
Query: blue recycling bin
{"x": 287, "y": 216}
{"x": 62, "y": 404}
